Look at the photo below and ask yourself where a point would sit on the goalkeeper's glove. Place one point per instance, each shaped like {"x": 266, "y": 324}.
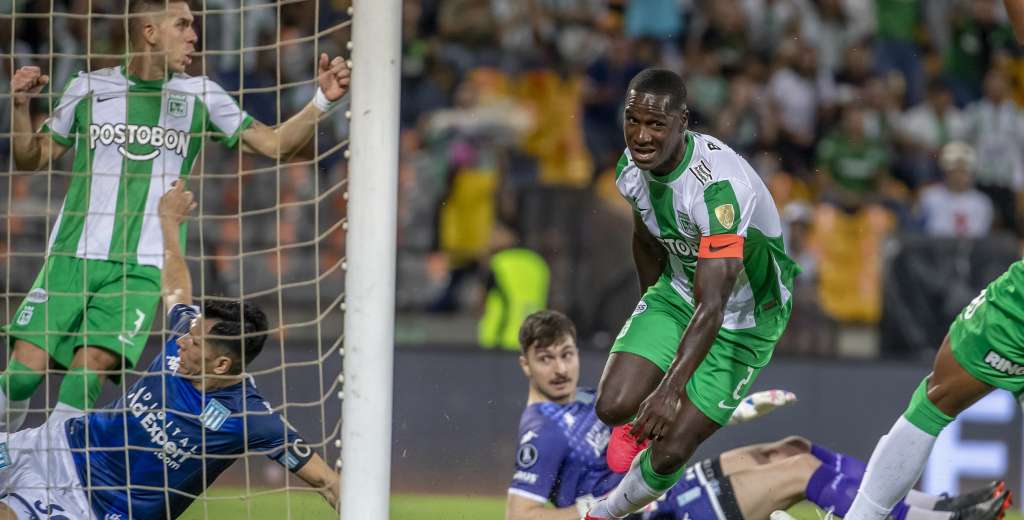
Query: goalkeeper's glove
{"x": 758, "y": 404}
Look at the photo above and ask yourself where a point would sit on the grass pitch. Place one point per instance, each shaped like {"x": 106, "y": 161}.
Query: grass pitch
{"x": 226, "y": 504}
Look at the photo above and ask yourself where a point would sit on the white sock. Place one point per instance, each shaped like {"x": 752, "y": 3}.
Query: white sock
{"x": 12, "y": 413}
{"x": 617, "y": 505}
{"x": 895, "y": 466}
{"x": 916, "y": 498}
{"x": 63, "y": 412}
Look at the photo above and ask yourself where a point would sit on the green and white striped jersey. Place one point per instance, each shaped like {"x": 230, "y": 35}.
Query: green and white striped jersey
{"x": 132, "y": 138}
{"x": 714, "y": 191}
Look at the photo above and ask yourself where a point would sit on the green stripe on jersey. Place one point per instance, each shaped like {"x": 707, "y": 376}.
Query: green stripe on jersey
{"x": 144, "y": 107}
{"x": 623, "y": 161}
{"x": 723, "y": 209}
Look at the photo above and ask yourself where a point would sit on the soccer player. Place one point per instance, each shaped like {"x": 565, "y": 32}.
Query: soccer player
{"x": 135, "y": 129}
{"x": 562, "y": 448}
{"x": 983, "y": 350}
{"x": 716, "y": 286}
{"x": 189, "y": 417}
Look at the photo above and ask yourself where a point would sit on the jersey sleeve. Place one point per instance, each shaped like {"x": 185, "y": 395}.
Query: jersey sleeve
{"x": 542, "y": 450}
{"x": 723, "y": 212}
{"x": 227, "y": 120}
{"x": 271, "y": 433}
{"x": 62, "y": 125}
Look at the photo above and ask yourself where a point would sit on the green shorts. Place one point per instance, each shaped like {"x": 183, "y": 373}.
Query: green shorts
{"x": 735, "y": 359}
{"x": 76, "y": 302}
{"x": 989, "y": 344}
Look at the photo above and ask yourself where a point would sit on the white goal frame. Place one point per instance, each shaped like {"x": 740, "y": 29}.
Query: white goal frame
{"x": 370, "y": 254}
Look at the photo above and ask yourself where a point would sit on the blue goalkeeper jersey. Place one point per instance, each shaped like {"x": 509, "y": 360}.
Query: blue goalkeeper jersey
{"x": 561, "y": 454}
{"x": 170, "y": 428}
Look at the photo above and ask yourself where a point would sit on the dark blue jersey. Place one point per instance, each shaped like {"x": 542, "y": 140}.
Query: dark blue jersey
{"x": 169, "y": 440}
{"x": 561, "y": 454}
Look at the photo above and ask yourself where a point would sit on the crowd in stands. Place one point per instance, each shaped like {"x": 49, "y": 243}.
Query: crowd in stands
{"x": 868, "y": 119}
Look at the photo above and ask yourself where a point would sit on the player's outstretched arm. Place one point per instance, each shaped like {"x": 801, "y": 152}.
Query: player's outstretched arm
{"x": 289, "y": 137}
{"x": 32, "y": 150}
{"x": 1015, "y": 8}
{"x": 713, "y": 283}
{"x": 319, "y": 475}
{"x": 522, "y": 508}
{"x": 175, "y": 279}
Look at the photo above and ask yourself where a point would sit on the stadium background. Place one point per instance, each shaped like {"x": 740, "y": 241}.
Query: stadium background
{"x": 509, "y": 134}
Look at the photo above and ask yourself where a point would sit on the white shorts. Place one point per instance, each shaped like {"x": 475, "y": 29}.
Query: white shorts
{"x": 38, "y": 479}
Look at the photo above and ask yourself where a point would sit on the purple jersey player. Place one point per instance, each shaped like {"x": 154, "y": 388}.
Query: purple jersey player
{"x": 561, "y": 456}
{"x": 187, "y": 419}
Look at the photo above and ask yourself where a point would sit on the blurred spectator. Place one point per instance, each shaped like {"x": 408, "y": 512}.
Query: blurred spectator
{"x": 658, "y": 19}
{"x": 852, "y": 164}
{"x": 955, "y": 208}
{"x": 603, "y": 90}
{"x": 516, "y": 286}
{"x": 996, "y": 130}
{"x": 924, "y": 129}
{"x": 556, "y": 140}
{"x": 799, "y": 93}
{"x": 897, "y": 23}
{"x": 745, "y": 122}
{"x": 833, "y": 29}
{"x": 721, "y": 30}
{"x": 856, "y": 70}
{"x": 978, "y": 35}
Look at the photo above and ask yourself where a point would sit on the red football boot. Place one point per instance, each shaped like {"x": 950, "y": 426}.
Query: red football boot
{"x": 623, "y": 448}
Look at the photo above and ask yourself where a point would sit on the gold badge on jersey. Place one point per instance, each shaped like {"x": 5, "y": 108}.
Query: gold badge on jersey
{"x": 725, "y": 215}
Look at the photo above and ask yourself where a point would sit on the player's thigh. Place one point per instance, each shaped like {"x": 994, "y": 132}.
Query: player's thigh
{"x": 6, "y": 513}
{"x": 51, "y": 313}
{"x": 121, "y": 311}
{"x": 775, "y": 486}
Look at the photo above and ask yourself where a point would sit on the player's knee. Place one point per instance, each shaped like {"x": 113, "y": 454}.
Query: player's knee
{"x": 668, "y": 458}
{"x": 614, "y": 408}
{"x": 95, "y": 358}
{"x": 795, "y": 444}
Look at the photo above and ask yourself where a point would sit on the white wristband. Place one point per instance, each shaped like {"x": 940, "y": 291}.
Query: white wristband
{"x": 321, "y": 101}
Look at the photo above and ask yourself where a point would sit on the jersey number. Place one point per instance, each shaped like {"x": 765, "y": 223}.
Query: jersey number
{"x": 973, "y": 306}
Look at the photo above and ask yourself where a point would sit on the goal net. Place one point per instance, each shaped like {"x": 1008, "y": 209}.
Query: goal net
{"x": 300, "y": 237}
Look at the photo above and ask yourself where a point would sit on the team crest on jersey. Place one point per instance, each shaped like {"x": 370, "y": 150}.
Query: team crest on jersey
{"x": 725, "y": 214}
{"x": 37, "y": 295}
{"x": 526, "y": 456}
{"x": 177, "y": 106}
{"x": 214, "y": 415}
{"x": 26, "y": 315}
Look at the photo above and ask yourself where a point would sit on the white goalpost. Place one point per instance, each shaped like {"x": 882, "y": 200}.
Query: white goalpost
{"x": 370, "y": 251}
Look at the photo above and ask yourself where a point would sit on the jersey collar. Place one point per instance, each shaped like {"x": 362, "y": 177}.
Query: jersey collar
{"x": 147, "y": 84}
{"x": 680, "y": 168}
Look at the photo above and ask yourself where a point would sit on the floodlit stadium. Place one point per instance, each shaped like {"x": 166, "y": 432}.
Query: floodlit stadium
{"x": 484, "y": 259}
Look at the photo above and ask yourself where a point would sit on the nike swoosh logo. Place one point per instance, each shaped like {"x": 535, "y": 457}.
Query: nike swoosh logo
{"x": 101, "y": 100}
{"x": 721, "y": 404}
{"x": 715, "y": 249}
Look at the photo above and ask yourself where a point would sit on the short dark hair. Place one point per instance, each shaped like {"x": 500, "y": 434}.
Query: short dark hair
{"x": 136, "y": 8}
{"x": 661, "y": 82}
{"x": 543, "y": 329}
{"x": 235, "y": 319}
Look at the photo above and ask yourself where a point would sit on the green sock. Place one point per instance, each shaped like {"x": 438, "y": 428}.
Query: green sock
{"x": 19, "y": 382}
{"x": 924, "y": 414}
{"x": 656, "y": 480}
{"x": 80, "y": 388}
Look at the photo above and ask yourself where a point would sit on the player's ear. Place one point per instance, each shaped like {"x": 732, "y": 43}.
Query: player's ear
{"x": 222, "y": 365}
{"x": 525, "y": 365}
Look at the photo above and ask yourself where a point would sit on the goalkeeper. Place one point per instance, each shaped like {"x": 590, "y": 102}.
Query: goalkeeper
{"x": 191, "y": 414}
{"x": 135, "y": 129}
{"x": 561, "y": 457}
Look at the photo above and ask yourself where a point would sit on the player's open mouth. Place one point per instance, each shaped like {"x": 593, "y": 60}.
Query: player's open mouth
{"x": 644, "y": 154}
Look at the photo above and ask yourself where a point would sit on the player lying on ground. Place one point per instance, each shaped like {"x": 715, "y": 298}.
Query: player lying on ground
{"x": 983, "y": 350}
{"x": 716, "y": 286}
{"x": 187, "y": 419}
{"x": 562, "y": 443}
{"x": 135, "y": 129}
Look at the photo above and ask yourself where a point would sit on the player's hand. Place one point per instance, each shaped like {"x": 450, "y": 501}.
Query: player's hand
{"x": 657, "y": 413}
{"x": 176, "y": 204}
{"x": 27, "y": 81}
{"x": 334, "y": 77}
{"x": 759, "y": 404}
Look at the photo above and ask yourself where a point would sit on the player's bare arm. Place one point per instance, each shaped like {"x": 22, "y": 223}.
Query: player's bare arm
{"x": 1015, "y": 8}
{"x": 283, "y": 141}
{"x": 176, "y": 281}
{"x": 521, "y": 508}
{"x": 33, "y": 150}
{"x": 648, "y": 255}
{"x": 325, "y": 480}
{"x": 713, "y": 282}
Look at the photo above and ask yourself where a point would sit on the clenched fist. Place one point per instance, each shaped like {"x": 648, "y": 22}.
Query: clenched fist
{"x": 27, "y": 81}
